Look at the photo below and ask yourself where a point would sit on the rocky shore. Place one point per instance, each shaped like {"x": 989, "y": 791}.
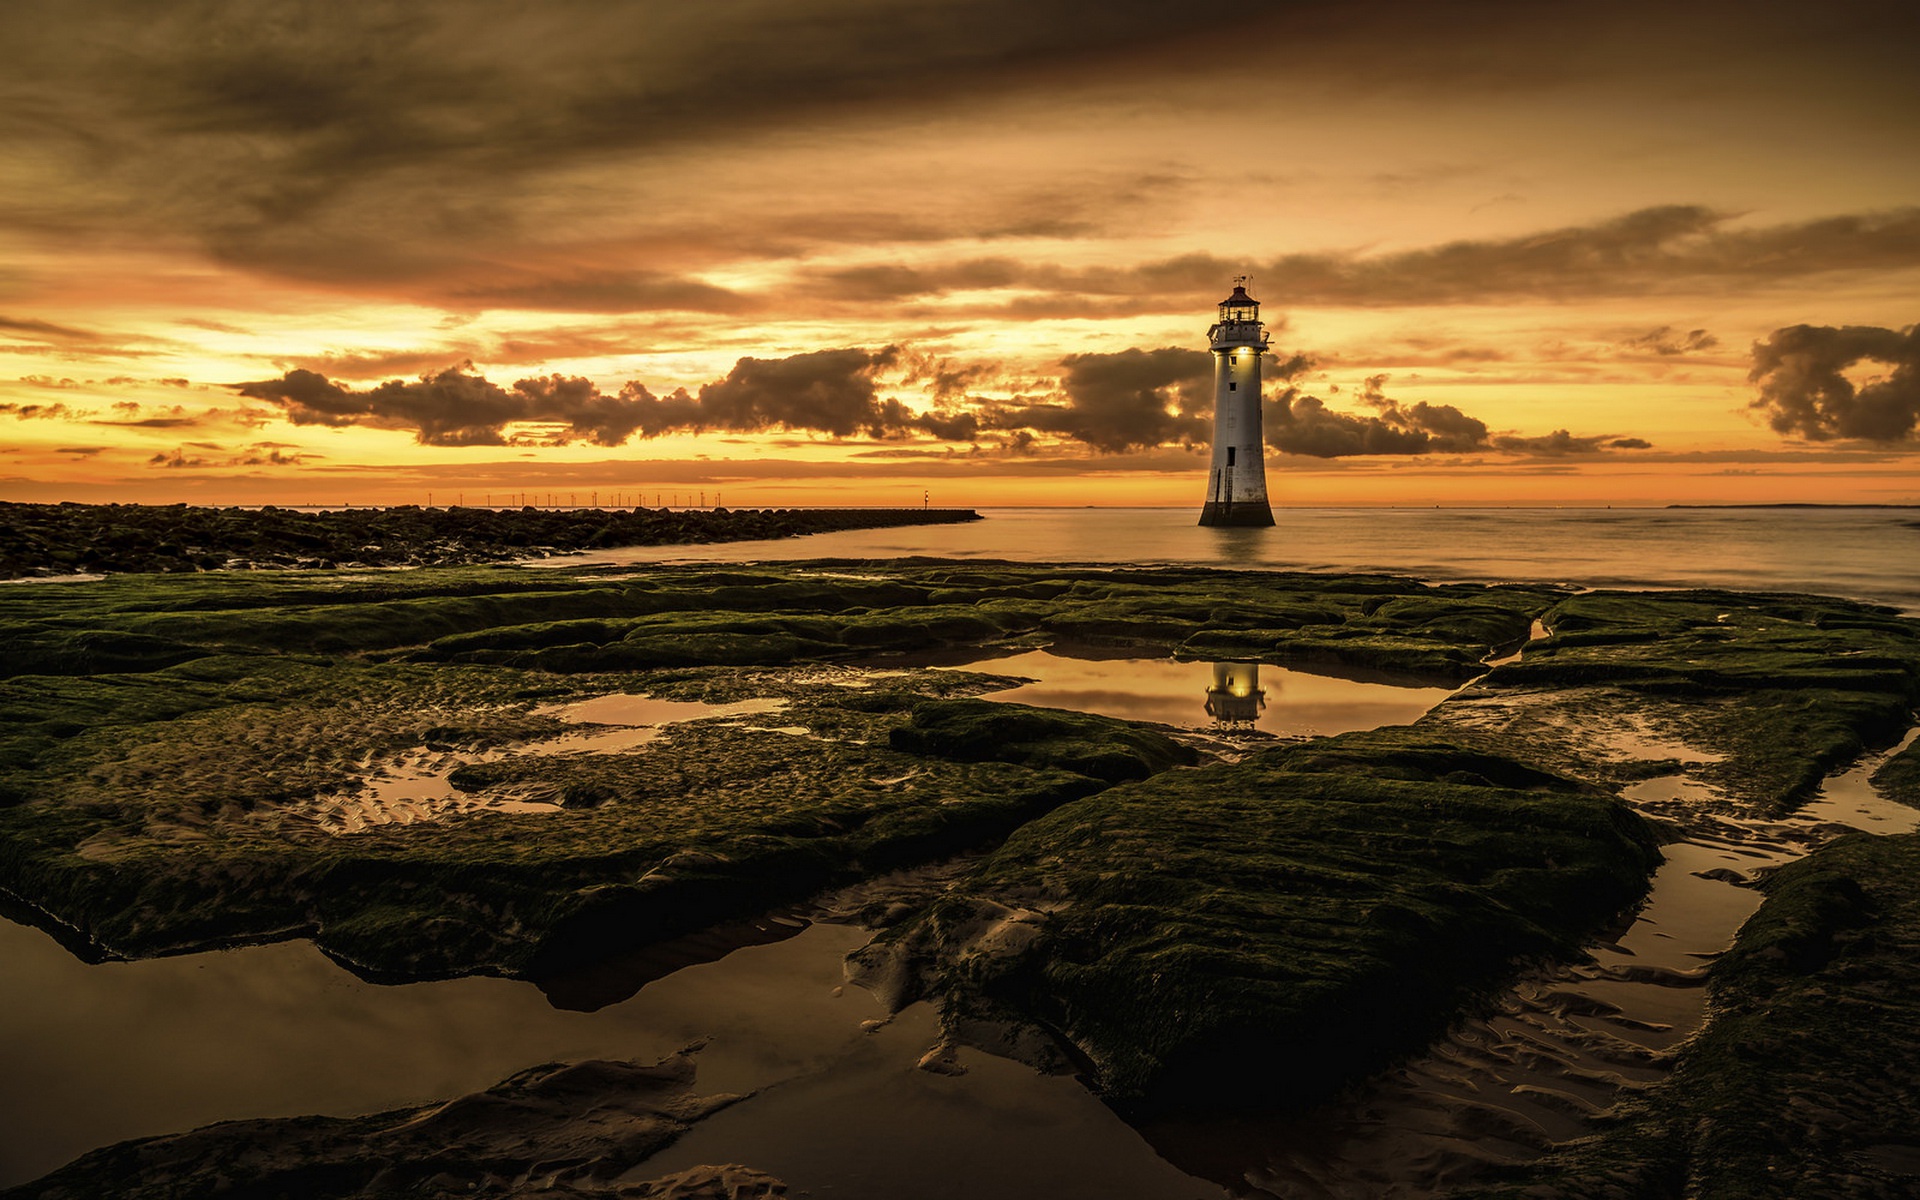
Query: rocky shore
{"x": 112, "y": 539}
{"x": 448, "y": 772}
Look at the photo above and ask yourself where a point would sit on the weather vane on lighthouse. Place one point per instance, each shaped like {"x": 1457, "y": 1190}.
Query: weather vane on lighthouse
{"x": 1237, "y": 481}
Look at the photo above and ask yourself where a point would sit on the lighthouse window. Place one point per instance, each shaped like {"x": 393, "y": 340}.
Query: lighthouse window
{"x": 1233, "y": 387}
{"x": 1230, "y": 450}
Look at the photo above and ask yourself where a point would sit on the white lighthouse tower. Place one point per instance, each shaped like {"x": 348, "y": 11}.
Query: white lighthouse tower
{"x": 1237, "y": 482}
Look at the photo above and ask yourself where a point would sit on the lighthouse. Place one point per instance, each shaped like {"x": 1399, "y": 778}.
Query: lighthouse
{"x": 1237, "y": 481}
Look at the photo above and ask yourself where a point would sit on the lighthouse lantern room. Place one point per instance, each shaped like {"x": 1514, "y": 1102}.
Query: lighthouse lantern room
{"x": 1237, "y": 480}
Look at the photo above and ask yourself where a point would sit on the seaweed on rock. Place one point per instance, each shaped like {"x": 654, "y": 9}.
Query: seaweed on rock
{"x": 1264, "y": 931}
{"x": 569, "y": 1129}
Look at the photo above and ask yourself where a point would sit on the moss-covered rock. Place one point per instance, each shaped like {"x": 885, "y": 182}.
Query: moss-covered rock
{"x": 559, "y": 1129}
{"x": 55, "y": 539}
{"x": 1899, "y": 777}
{"x": 985, "y": 731}
{"x": 1266, "y": 930}
{"x": 1777, "y": 690}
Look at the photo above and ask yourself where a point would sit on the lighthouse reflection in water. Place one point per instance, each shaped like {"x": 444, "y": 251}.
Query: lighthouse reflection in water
{"x": 1236, "y": 697}
{"x": 1240, "y": 697}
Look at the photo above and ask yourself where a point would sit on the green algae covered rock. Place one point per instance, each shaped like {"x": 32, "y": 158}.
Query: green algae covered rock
{"x": 985, "y": 731}
{"x": 1899, "y": 777}
{"x": 1265, "y": 931}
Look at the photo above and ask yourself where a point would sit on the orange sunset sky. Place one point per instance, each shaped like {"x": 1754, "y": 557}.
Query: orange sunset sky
{"x": 858, "y": 251}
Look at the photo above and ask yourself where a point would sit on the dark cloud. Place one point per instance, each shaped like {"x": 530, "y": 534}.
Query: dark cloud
{"x": 601, "y": 291}
{"x": 65, "y": 340}
{"x": 156, "y": 422}
{"x": 269, "y": 454}
{"x": 1559, "y": 444}
{"x": 376, "y": 141}
{"x": 1802, "y": 372}
{"x": 39, "y": 412}
{"x": 1670, "y": 248}
{"x": 1297, "y": 423}
{"x": 826, "y": 391}
{"x": 455, "y": 407}
{"x": 200, "y": 455}
{"x": 1301, "y": 424}
{"x": 179, "y": 460}
{"x": 45, "y": 330}
{"x": 80, "y": 451}
{"x": 1665, "y": 341}
{"x": 1117, "y": 403}
{"x": 1133, "y": 399}
{"x": 435, "y": 146}
{"x": 895, "y": 282}
{"x": 942, "y": 378}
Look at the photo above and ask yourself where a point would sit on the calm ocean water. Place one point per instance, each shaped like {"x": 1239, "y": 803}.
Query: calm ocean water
{"x": 1863, "y": 553}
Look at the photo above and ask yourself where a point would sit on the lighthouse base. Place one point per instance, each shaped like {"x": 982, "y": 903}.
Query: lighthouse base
{"x": 1246, "y": 512}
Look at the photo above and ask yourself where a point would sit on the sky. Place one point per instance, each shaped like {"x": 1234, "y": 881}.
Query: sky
{"x": 756, "y": 252}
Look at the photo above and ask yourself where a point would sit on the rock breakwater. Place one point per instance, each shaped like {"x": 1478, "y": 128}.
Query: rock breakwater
{"x": 111, "y": 539}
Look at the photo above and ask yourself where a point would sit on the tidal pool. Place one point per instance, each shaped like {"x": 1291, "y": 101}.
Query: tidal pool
{"x": 1287, "y": 701}
{"x": 416, "y": 786}
{"x": 119, "y": 1050}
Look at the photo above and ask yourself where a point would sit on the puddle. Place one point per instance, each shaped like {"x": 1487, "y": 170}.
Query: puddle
{"x": 132, "y": 1049}
{"x": 1665, "y": 788}
{"x": 415, "y": 786}
{"x": 1538, "y": 631}
{"x": 1197, "y": 695}
{"x": 638, "y": 713}
{"x": 1631, "y": 737}
{"x": 1850, "y": 799}
{"x": 871, "y": 1127}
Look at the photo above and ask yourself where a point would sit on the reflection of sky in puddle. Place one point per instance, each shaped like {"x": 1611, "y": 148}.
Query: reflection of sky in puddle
{"x": 1652, "y": 974}
{"x": 1671, "y": 787}
{"x": 637, "y": 721}
{"x": 130, "y": 1049}
{"x": 1850, "y": 798}
{"x": 415, "y": 786}
{"x": 1639, "y": 741}
{"x": 1693, "y": 911}
{"x": 1176, "y": 693}
{"x": 162, "y": 1045}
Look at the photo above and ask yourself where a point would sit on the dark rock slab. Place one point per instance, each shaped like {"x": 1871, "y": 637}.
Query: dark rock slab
{"x": 562, "y": 1129}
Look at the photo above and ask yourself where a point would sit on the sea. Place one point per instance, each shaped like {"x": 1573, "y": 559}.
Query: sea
{"x": 1870, "y": 554}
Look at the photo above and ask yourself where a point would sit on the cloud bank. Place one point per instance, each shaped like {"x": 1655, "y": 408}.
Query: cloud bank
{"x": 1297, "y": 423}
{"x": 826, "y": 391}
{"x": 1115, "y": 403}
